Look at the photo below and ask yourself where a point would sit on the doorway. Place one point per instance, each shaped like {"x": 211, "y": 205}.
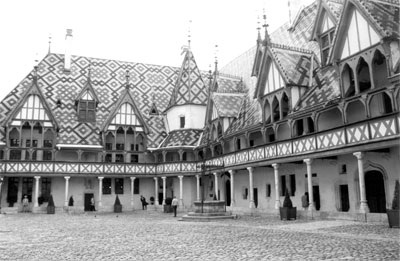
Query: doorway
{"x": 316, "y": 197}
{"x": 255, "y": 195}
{"x": 344, "y": 198}
{"x": 375, "y": 191}
{"x": 12, "y": 192}
{"x": 88, "y": 197}
{"x": 228, "y": 192}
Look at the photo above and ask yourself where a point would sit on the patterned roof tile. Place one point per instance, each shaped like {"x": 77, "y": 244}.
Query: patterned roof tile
{"x": 183, "y": 137}
{"x": 227, "y": 105}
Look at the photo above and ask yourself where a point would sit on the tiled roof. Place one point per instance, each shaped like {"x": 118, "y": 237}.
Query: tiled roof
{"x": 335, "y": 7}
{"x": 227, "y": 84}
{"x": 189, "y": 87}
{"x": 228, "y": 105}
{"x": 183, "y": 137}
{"x": 108, "y": 80}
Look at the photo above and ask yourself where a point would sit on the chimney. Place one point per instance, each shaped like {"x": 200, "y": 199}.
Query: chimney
{"x": 68, "y": 46}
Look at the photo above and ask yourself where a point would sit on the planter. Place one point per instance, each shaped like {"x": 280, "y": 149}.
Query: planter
{"x": 117, "y": 208}
{"x": 168, "y": 209}
{"x": 51, "y": 209}
{"x": 288, "y": 213}
{"x": 393, "y": 217}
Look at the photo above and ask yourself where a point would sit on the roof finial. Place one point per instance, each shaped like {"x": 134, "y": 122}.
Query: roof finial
{"x": 216, "y": 58}
{"x": 258, "y": 29}
{"x": 127, "y": 79}
{"x": 189, "y": 34}
{"x": 49, "y": 43}
{"x": 35, "y": 73}
{"x": 265, "y": 25}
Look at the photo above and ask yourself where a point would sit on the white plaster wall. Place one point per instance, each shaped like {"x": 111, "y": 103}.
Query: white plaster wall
{"x": 194, "y": 116}
{"x": 189, "y": 190}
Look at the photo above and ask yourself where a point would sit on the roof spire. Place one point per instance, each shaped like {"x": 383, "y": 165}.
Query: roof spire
{"x": 127, "y": 79}
{"x": 216, "y": 58}
{"x": 49, "y": 51}
{"x": 189, "y": 34}
{"x": 258, "y": 29}
{"x": 265, "y": 25}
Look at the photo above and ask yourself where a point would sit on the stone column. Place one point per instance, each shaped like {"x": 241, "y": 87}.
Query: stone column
{"x": 180, "y": 190}
{"x": 233, "y": 202}
{"x": 164, "y": 189}
{"x": 66, "y": 190}
{"x": 132, "y": 190}
{"x": 99, "y": 204}
{"x": 156, "y": 191}
{"x": 311, "y": 206}
{"x": 251, "y": 192}
{"x": 35, "y": 201}
{"x": 216, "y": 185}
{"x": 198, "y": 187}
{"x": 276, "y": 177}
{"x": 363, "y": 197}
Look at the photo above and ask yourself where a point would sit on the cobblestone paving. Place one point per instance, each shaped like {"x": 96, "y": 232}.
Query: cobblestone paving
{"x": 147, "y": 235}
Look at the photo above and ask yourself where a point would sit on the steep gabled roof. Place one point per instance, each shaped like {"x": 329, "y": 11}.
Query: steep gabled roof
{"x": 332, "y": 8}
{"x": 228, "y": 105}
{"x": 189, "y": 86}
{"x": 182, "y": 138}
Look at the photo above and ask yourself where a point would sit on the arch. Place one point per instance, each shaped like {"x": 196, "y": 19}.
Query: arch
{"x": 267, "y": 112}
{"x": 283, "y": 131}
{"x": 228, "y": 192}
{"x": 348, "y": 84}
{"x": 355, "y": 111}
{"x": 256, "y": 138}
{"x": 375, "y": 191}
{"x": 379, "y": 70}
{"x": 219, "y": 130}
{"x": 141, "y": 142}
{"x": 275, "y": 110}
{"x": 172, "y": 156}
{"x": 329, "y": 119}
{"x": 109, "y": 141}
{"x": 285, "y": 106}
{"x": 270, "y": 134}
{"x": 200, "y": 155}
{"x": 218, "y": 150}
{"x": 363, "y": 75}
{"x": 380, "y": 104}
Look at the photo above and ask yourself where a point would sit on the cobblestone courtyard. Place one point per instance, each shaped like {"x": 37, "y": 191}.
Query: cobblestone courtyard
{"x": 147, "y": 235}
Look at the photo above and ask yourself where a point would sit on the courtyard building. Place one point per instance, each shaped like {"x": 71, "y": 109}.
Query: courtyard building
{"x": 312, "y": 107}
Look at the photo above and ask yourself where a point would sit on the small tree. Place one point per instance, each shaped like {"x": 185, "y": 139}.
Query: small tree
{"x": 71, "y": 201}
{"x": 117, "y": 202}
{"x": 287, "y": 202}
{"x": 396, "y": 197}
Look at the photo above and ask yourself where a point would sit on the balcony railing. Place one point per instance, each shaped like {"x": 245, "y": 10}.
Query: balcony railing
{"x": 377, "y": 129}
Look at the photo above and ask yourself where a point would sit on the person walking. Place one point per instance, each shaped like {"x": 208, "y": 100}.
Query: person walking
{"x": 174, "y": 205}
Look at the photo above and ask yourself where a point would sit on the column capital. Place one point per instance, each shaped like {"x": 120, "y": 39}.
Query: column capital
{"x": 155, "y": 178}
{"x": 275, "y": 166}
{"x": 67, "y": 177}
{"x": 164, "y": 178}
{"x": 100, "y": 178}
{"x": 250, "y": 169}
{"x": 133, "y": 178}
{"x": 308, "y": 161}
{"x": 197, "y": 176}
{"x": 359, "y": 155}
{"x": 215, "y": 174}
{"x": 180, "y": 177}
{"x": 232, "y": 171}
{"x": 37, "y": 177}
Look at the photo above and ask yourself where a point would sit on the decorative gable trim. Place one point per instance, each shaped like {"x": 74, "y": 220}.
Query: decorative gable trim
{"x": 88, "y": 89}
{"x": 33, "y": 89}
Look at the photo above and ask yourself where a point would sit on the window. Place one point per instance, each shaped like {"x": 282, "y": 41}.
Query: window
{"x": 119, "y": 186}
{"x": 134, "y": 158}
{"x": 268, "y": 190}
{"x": 48, "y": 143}
{"x": 238, "y": 144}
{"x": 343, "y": 169}
{"x": 326, "y": 43}
{"x": 182, "y": 121}
{"x": 32, "y": 110}
{"x": 136, "y": 186}
{"x": 120, "y": 146}
{"x": 251, "y": 143}
{"x": 15, "y": 155}
{"x": 47, "y": 155}
{"x": 34, "y": 155}
{"x": 283, "y": 185}
{"x": 107, "y": 186}
{"x": 14, "y": 142}
{"x": 109, "y": 146}
{"x": 34, "y": 143}
{"x": 108, "y": 158}
{"x": 45, "y": 189}
{"x": 135, "y": 147}
{"x": 292, "y": 184}
{"x": 87, "y": 111}
{"x": 119, "y": 158}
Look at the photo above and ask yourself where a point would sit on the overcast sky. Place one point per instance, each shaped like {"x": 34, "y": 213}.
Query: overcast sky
{"x": 146, "y": 31}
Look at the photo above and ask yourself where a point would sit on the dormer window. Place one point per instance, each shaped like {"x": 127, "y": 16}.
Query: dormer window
{"x": 326, "y": 40}
{"x": 87, "y": 108}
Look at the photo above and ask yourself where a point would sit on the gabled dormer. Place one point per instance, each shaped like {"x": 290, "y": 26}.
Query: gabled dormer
{"x": 86, "y": 102}
{"x": 32, "y": 108}
{"x": 356, "y": 32}
{"x": 126, "y": 113}
{"x": 324, "y": 28}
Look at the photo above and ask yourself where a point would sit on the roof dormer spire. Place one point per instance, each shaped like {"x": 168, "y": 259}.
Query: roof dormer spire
{"x": 189, "y": 34}
{"x": 49, "y": 51}
{"x": 216, "y": 59}
{"x": 265, "y": 25}
{"x": 258, "y": 30}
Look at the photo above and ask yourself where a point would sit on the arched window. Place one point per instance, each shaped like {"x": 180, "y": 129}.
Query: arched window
{"x": 379, "y": 70}
{"x": 285, "y": 105}
{"x": 348, "y": 81}
{"x": 219, "y": 130}
{"x": 275, "y": 109}
{"x": 380, "y": 104}
{"x": 329, "y": 119}
{"x": 355, "y": 111}
{"x": 267, "y": 112}
{"x": 363, "y": 76}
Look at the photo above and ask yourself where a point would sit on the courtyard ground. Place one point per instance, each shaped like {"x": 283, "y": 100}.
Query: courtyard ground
{"x": 149, "y": 235}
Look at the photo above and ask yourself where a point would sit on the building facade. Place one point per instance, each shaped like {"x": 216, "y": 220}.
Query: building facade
{"x": 313, "y": 107}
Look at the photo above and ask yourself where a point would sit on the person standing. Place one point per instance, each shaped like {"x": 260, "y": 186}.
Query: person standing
{"x": 92, "y": 204}
{"x": 25, "y": 204}
{"x": 144, "y": 203}
{"x": 174, "y": 205}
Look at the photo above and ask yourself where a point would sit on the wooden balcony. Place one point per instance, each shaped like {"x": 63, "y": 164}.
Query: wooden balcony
{"x": 384, "y": 128}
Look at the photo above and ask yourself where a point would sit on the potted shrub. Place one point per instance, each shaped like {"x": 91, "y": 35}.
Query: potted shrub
{"x": 71, "y": 202}
{"x": 152, "y": 200}
{"x": 51, "y": 209}
{"x": 393, "y": 214}
{"x": 167, "y": 206}
{"x": 287, "y": 212}
{"x": 117, "y": 205}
